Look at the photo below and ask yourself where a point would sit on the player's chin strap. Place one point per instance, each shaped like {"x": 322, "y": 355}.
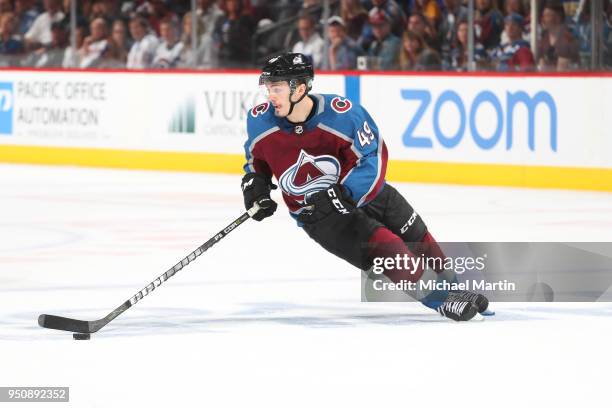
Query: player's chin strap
{"x": 291, "y": 103}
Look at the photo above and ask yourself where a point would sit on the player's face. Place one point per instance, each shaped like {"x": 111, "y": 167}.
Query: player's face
{"x": 278, "y": 95}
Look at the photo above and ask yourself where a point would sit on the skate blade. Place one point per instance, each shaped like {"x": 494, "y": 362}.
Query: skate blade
{"x": 487, "y": 312}
{"x": 477, "y": 318}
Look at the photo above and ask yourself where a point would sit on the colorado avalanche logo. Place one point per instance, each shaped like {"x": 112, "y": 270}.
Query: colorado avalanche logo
{"x": 260, "y": 109}
{"x": 341, "y": 105}
{"x": 310, "y": 174}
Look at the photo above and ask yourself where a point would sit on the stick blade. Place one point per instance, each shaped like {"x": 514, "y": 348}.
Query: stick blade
{"x": 63, "y": 323}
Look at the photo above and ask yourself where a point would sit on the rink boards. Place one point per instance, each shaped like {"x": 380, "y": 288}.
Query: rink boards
{"x": 549, "y": 131}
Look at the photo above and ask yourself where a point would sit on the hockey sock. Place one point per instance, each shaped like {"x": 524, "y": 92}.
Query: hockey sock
{"x": 429, "y": 248}
{"x": 385, "y": 244}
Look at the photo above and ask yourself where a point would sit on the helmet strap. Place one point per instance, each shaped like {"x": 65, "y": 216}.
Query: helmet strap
{"x": 292, "y": 104}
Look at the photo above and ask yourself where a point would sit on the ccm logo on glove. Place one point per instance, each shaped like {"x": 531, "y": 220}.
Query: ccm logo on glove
{"x": 336, "y": 201}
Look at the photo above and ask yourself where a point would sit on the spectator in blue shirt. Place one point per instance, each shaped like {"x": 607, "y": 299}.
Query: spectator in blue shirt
{"x": 582, "y": 29}
{"x": 395, "y": 15}
{"x": 342, "y": 51}
{"x": 26, "y": 13}
{"x": 9, "y": 44}
{"x": 385, "y": 46}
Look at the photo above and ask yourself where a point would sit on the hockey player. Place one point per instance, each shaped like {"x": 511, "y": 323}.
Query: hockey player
{"x": 326, "y": 153}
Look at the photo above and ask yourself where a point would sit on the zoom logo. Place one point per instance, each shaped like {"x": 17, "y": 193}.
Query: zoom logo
{"x": 504, "y": 118}
{"x": 6, "y": 108}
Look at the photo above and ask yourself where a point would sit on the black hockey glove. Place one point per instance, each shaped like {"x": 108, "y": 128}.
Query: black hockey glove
{"x": 256, "y": 189}
{"x": 333, "y": 201}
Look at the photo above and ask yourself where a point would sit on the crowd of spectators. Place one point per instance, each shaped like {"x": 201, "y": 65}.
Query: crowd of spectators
{"x": 361, "y": 34}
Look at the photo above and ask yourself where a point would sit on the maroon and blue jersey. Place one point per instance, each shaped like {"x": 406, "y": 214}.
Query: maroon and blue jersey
{"x": 339, "y": 144}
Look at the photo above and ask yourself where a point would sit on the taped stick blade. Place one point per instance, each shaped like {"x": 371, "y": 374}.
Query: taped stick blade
{"x": 63, "y": 323}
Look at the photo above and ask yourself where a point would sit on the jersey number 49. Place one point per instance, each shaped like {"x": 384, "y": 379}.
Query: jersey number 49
{"x": 365, "y": 135}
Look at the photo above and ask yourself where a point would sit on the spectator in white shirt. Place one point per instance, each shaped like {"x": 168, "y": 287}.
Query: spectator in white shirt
{"x": 205, "y": 54}
{"x": 53, "y": 53}
{"x": 40, "y": 31}
{"x": 96, "y": 45}
{"x": 72, "y": 56}
{"x": 169, "y": 51}
{"x": 311, "y": 43}
{"x": 145, "y": 43}
{"x": 209, "y": 12}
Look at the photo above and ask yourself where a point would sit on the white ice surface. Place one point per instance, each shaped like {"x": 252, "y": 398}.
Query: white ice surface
{"x": 266, "y": 318}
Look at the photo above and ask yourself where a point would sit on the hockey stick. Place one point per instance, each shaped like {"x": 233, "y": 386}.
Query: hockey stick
{"x": 92, "y": 326}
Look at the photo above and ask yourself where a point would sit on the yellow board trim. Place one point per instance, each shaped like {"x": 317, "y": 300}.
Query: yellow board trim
{"x": 508, "y": 175}
{"x": 123, "y": 159}
{"x": 575, "y": 178}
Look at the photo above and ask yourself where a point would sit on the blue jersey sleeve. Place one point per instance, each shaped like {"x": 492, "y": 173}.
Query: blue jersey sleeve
{"x": 257, "y": 129}
{"x": 367, "y": 177}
